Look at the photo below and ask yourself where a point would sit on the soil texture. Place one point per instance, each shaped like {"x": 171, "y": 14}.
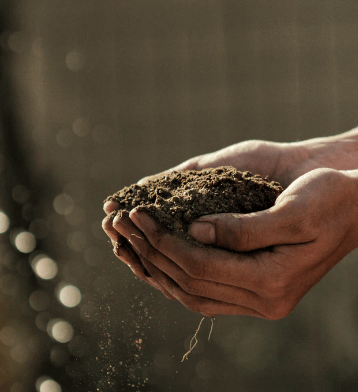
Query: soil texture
{"x": 176, "y": 199}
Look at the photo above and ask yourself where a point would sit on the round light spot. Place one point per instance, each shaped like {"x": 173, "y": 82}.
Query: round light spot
{"x": 25, "y": 242}
{"x": 20, "y": 354}
{"x": 63, "y": 204}
{"x": 20, "y": 194}
{"x": 76, "y": 190}
{"x": 59, "y": 356}
{"x": 70, "y": 296}
{"x": 76, "y": 241}
{"x": 60, "y": 330}
{"x": 75, "y": 60}
{"x": 4, "y": 222}
{"x": 8, "y": 336}
{"x": 39, "y": 300}
{"x": 77, "y": 217}
{"x": 44, "y": 267}
{"x": 64, "y": 138}
{"x": 17, "y": 42}
{"x": 81, "y": 127}
{"x": 42, "y": 320}
{"x": 36, "y": 344}
{"x": 50, "y": 386}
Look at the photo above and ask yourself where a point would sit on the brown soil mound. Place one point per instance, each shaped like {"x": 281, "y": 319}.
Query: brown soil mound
{"x": 176, "y": 199}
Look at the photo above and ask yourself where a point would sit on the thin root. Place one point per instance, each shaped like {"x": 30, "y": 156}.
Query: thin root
{"x": 211, "y": 329}
{"x": 194, "y": 340}
{"x": 135, "y": 235}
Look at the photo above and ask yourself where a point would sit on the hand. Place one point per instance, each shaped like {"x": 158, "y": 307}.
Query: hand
{"x": 258, "y": 156}
{"x": 307, "y": 232}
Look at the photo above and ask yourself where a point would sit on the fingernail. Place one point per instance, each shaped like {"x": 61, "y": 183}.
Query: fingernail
{"x": 203, "y": 232}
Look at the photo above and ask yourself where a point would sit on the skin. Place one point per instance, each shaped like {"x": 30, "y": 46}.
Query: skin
{"x": 259, "y": 264}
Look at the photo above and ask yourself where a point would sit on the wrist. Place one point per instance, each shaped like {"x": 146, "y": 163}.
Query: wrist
{"x": 339, "y": 152}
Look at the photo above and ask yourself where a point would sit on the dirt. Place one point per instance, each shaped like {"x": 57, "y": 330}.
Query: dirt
{"x": 176, "y": 199}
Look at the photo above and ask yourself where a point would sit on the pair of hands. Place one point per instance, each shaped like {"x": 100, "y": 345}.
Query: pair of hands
{"x": 311, "y": 227}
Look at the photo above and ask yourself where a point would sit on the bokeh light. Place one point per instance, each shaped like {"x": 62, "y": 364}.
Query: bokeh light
{"x": 17, "y": 41}
{"x": 42, "y": 320}
{"x": 63, "y": 204}
{"x": 39, "y": 300}
{"x": 20, "y": 353}
{"x": 76, "y": 217}
{"x": 8, "y": 336}
{"x": 4, "y": 222}
{"x": 44, "y": 267}
{"x": 75, "y": 60}
{"x": 81, "y": 126}
{"x": 70, "y": 296}
{"x": 25, "y": 242}
{"x": 46, "y": 384}
{"x": 64, "y": 138}
{"x": 60, "y": 330}
{"x": 20, "y": 194}
{"x": 77, "y": 241}
{"x": 59, "y": 355}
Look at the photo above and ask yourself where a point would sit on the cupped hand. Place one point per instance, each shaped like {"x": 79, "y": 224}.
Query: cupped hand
{"x": 259, "y": 264}
{"x": 281, "y": 162}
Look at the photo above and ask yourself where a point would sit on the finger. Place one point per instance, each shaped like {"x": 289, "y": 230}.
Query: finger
{"x": 127, "y": 255}
{"x": 216, "y": 265}
{"x": 145, "y": 264}
{"x": 198, "y": 304}
{"x": 107, "y": 226}
{"x": 278, "y": 225}
{"x": 123, "y": 225}
{"x": 204, "y": 288}
{"x": 109, "y": 206}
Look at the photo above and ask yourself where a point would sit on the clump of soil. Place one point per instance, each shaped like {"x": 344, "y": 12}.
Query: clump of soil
{"x": 176, "y": 199}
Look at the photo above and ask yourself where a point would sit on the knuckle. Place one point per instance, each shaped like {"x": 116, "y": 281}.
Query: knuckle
{"x": 148, "y": 253}
{"x": 156, "y": 239}
{"x": 196, "y": 270}
{"x": 191, "y": 286}
{"x": 194, "y": 306}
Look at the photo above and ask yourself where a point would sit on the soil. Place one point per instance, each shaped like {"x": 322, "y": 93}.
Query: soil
{"x": 176, "y": 199}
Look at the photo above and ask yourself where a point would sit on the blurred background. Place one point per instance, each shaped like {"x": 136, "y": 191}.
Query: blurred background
{"x": 95, "y": 95}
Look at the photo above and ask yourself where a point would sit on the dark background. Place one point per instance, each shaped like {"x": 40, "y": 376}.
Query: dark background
{"x": 99, "y": 93}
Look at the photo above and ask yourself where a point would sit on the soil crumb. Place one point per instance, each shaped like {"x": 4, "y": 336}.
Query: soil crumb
{"x": 176, "y": 199}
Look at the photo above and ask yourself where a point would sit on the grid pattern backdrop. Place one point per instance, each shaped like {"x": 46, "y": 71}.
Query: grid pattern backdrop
{"x": 106, "y": 92}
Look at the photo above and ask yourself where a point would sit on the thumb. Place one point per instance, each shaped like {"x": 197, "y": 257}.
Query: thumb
{"x": 245, "y": 232}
